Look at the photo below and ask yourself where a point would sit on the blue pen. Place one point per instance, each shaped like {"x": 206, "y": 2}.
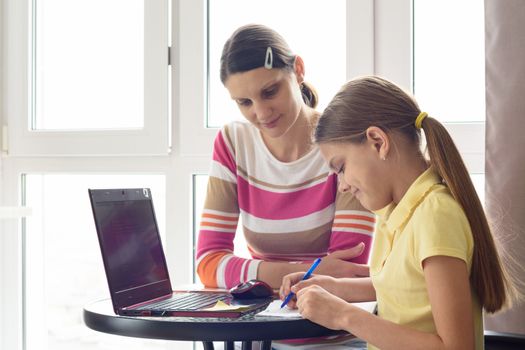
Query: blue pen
{"x": 305, "y": 277}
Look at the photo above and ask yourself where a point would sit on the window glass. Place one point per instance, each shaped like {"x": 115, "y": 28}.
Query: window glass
{"x": 63, "y": 264}
{"x": 316, "y": 33}
{"x": 449, "y": 59}
{"x": 88, "y": 64}
{"x": 479, "y": 184}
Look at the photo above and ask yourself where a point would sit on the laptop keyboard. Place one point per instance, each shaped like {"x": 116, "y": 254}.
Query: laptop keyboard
{"x": 187, "y": 301}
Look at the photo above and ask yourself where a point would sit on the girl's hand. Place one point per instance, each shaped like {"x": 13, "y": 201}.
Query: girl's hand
{"x": 319, "y": 306}
{"x": 293, "y": 283}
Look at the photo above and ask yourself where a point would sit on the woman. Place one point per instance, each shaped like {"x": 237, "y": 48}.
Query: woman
{"x": 434, "y": 265}
{"x": 268, "y": 172}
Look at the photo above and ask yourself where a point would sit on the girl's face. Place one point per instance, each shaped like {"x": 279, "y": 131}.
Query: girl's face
{"x": 270, "y": 99}
{"x": 361, "y": 171}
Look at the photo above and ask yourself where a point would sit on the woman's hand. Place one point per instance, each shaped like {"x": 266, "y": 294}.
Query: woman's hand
{"x": 320, "y": 306}
{"x": 294, "y": 283}
{"x": 336, "y": 264}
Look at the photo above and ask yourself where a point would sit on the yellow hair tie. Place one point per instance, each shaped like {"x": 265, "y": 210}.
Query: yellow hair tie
{"x": 419, "y": 119}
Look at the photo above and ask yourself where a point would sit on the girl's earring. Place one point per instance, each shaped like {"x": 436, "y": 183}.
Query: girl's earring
{"x": 384, "y": 158}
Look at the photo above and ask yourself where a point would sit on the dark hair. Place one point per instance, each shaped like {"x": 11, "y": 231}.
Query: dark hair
{"x": 373, "y": 101}
{"x": 246, "y": 50}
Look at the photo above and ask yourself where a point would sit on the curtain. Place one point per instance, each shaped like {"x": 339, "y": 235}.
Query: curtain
{"x": 505, "y": 141}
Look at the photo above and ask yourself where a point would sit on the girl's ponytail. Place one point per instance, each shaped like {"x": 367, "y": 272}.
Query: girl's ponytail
{"x": 488, "y": 276}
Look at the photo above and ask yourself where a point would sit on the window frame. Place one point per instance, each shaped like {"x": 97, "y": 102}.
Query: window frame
{"x": 151, "y": 139}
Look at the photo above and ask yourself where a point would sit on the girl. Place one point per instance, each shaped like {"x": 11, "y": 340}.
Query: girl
{"x": 268, "y": 172}
{"x": 434, "y": 265}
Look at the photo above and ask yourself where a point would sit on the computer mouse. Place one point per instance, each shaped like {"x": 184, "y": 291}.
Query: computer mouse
{"x": 252, "y": 289}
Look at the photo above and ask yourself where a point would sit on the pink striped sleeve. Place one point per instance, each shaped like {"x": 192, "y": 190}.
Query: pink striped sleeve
{"x": 236, "y": 271}
{"x": 220, "y": 216}
{"x": 221, "y": 152}
{"x": 351, "y": 227}
{"x": 214, "y": 241}
{"x": 216, "y": 264}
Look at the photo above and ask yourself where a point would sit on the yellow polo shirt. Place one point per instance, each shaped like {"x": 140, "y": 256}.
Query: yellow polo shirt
{"x": 426, "y": 222}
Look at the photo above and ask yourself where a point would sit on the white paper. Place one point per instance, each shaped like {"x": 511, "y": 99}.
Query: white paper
{"x": 369, "y": 306}
{"x": 274, "y": 309}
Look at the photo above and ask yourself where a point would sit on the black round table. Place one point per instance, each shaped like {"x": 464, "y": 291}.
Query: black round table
{"x": 99, "y": 316}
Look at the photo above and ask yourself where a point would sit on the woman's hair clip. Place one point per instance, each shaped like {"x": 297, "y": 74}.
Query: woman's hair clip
{"x": 268, "y": 60}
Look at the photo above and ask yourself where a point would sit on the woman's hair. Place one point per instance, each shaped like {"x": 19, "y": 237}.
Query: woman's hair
{"x": 373, "y": 101}
{"x": 246, "y": 50}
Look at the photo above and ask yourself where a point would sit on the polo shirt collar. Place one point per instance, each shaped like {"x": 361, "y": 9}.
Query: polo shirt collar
{"x": 395, "y": 216}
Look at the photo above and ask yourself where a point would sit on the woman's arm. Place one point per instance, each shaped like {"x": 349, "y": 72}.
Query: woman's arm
{"x": 449, "y": 292}
{"x": 217, "y": 266}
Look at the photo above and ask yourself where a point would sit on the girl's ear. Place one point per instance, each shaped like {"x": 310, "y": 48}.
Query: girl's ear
{"x": 298, "y": 67}
{"x": 379, "y": 140}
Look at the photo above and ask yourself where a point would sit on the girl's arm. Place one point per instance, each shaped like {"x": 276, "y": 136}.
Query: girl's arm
{"x": 335, "y": 264}
{"x": 450, "y": 298}
{"x": 347, "y": 289}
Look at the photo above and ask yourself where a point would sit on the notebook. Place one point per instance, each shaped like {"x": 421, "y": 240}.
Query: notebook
{"x": 135, "y": 263}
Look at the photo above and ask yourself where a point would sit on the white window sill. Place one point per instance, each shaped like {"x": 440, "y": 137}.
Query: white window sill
{"x": 14, "y": 212}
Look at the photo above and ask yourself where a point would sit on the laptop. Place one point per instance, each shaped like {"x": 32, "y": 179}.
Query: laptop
{"x": 135, "y": 263}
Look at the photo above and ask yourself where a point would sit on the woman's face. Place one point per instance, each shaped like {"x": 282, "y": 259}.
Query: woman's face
{"x": 270, "y": 99}
{"x": 360, "y": 171}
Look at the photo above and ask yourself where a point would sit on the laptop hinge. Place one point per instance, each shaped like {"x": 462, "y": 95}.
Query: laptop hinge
{"x": 167, "y": 296}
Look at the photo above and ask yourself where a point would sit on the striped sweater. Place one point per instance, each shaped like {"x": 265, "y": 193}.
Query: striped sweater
{"x": 289, "y": 212}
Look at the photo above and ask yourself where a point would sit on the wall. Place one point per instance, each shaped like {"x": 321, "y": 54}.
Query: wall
{"x": 2, "y": 33}
{"x": 505, "y": 144}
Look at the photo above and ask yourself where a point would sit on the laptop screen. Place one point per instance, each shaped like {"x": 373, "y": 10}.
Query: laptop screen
{"x": 130, "y": 244}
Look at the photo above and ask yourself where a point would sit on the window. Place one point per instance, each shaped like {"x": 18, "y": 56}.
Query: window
{"x": 449, "y": 60}
{"x": 93, "y": 78}
{"x": 82, "y": 108}
{"x": 99, "y": 68}
{"x": 449, "y": 71}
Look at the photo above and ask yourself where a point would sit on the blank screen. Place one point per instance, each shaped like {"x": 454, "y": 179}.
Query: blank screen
{"x": 131, "y": 244}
